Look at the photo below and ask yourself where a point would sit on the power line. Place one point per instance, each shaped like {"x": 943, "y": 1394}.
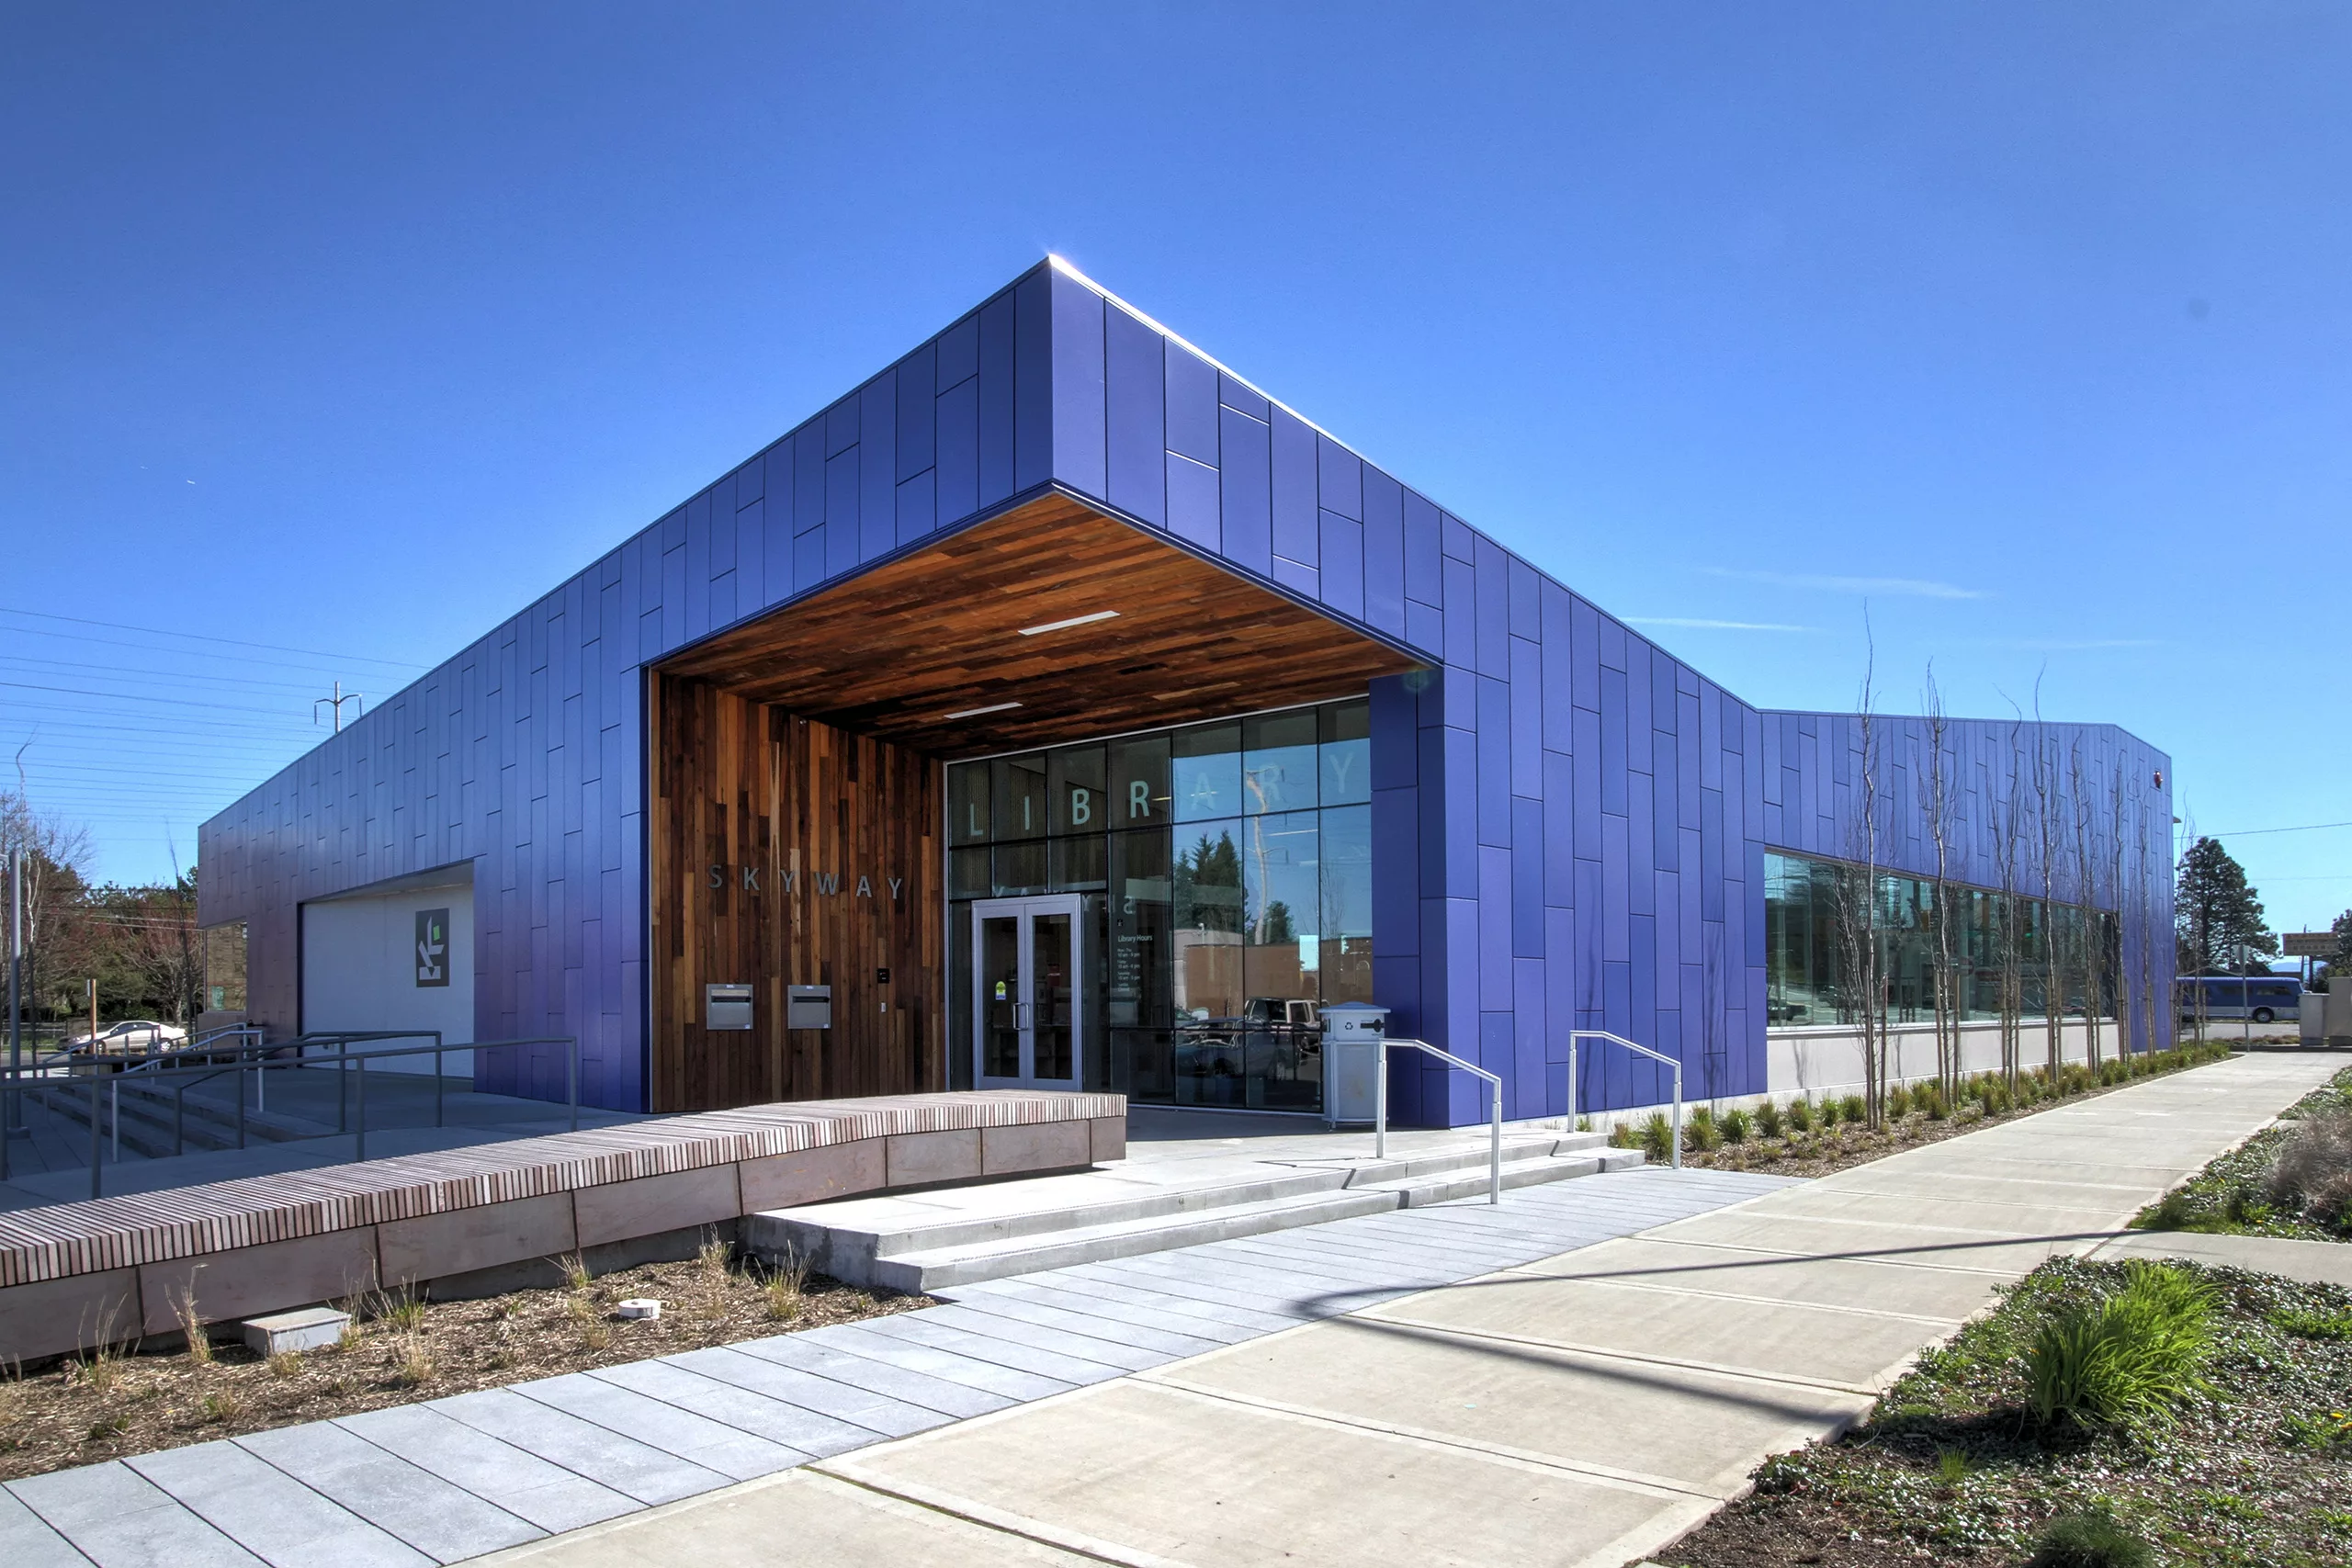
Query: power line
{"x": 78, "y": 667}
{"x": 79, "y": 640}
{"x": 226, "y": 641}
{"x": 133, "y": 697}
{"x": 2250, "y": 832}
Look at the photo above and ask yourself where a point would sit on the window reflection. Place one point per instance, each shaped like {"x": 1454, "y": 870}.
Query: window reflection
{"x": 1019, "y": 785}
{"x": 1278, "y": 765}
{"x": 1233, "y": 862}
{"x": 1207, "y": 767}
{"x": 1076, "y": 785}
{"x": 1815, "y": 910}
{"x": 1346, "y": 770}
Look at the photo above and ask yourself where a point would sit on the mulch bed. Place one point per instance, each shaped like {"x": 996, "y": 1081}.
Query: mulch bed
{"x": 1827, "y": 1149}
{"x": 82, "y": 1411}
{"x": 2256, "y": 1474}
{"x": 2231, "y": 1195}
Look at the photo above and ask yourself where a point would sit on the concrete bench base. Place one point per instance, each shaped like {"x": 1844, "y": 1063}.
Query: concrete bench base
{"x": 496, "y": 1216}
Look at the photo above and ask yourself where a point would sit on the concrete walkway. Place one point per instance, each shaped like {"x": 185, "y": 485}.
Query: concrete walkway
{"x": 2314, "y": 1262}
{"x": 1584, "y": 1408}
{"x": 458, "y": 1477}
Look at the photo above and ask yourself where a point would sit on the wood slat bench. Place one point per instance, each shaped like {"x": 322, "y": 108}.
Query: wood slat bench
{"x": 108, "y": 1269}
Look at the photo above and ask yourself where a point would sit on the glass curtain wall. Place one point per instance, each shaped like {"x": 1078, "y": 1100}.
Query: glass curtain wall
{"x": 1808, "y": 901}
{"x": 1227, "y": 876}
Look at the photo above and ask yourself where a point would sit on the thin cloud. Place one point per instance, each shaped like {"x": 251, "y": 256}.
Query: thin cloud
{"x": 1713, "y": 626}
{"x": 1876, "y": 587}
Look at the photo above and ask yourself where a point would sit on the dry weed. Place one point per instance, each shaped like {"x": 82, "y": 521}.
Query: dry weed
{"x": 200, "y": 1343}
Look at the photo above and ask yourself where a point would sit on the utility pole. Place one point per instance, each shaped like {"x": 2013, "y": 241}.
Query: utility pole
{"x": 336, "y": 701}
{"x": 15, "y": 1127}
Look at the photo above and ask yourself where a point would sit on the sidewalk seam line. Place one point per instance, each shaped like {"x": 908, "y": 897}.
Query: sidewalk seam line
{"x": 1748, "y": 1374}
{"x": 1634, "y": 1481}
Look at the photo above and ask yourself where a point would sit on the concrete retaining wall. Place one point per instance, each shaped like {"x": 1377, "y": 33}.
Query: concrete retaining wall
{"x": 114, "y": 1269}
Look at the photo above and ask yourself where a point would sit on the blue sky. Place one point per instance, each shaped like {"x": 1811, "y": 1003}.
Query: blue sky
{"x": 346, "y": 331}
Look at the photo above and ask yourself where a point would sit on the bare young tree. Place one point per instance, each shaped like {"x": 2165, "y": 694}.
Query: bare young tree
{"x": 57, "y": 858}
{"x": 2050, "y": 845}
{"x": 2008, "y": 847}
{"x": 2117, "y": 862}
{"x": 1936, "y": 809}
{"x": 2160, "y": 1023}
{"x": 1857, "y": 910}
{"x": 2086, "y": 869}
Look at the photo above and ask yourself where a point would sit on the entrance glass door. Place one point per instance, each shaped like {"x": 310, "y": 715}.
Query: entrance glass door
{"x": 1026, "y": 989}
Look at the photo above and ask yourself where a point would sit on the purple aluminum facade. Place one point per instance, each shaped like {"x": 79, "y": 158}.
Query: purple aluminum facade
{"x": 1570, "y": 823}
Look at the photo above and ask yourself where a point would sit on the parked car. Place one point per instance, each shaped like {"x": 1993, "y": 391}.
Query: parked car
{"x": 130, "y": 1040}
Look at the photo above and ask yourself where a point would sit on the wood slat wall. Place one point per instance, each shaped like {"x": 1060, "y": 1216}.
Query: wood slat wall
{"x": 742, "y": 785}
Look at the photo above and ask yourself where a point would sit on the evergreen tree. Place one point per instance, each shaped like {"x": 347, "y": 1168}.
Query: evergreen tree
{"x": 2219, "y": 917}
{"x": 2340, "y": 961}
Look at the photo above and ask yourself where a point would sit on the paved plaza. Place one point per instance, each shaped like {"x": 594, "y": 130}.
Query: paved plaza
{"x": 1575, "y": 1377}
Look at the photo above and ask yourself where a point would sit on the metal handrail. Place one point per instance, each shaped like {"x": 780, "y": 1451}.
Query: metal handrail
{"x": 1577, "y": 1034}
{"x": 343, "y": 1062}
{"x": 1494, "y": 1085}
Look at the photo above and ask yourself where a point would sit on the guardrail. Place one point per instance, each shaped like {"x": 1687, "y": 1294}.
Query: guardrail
{"x": 256, "y": 1062}
{"x": 1577, "y": 1034}
{"x": 1494, "y": 1088}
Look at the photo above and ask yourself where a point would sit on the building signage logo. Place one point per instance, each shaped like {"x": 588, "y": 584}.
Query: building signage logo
{"x": 433, "y": 947}
{"x": 827, "y": 883}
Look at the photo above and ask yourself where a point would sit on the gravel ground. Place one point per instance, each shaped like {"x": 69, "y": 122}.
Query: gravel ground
{"x": 79, "y": 1412}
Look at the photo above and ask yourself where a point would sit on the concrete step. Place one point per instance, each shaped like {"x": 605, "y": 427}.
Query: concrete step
{"x": 847, "y": 1235}
{"x": 1056, "y": 1222}
{"x": 146, "y": 1114}
{"x": 1517, "y": 1148}
{"x": 1474, "y": 1183}
{"x": 938, "y": 1268}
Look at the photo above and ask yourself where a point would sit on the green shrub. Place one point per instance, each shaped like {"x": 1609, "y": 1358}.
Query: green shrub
{"x": 1933, "y": 1105}
{"x": 2090, "y": 1538}
{"x": 1621, "y": 1136}
{"x": 1701, "y": 1132}
{"x": 2127, "y": 1360}
{"x": 1898, "y": 1102}
{"x": 2175, "y": 1211}
{"x": 2242, "y": 1208}
{"x": 1736, "y": 1125}
{"x": 2328, "y": 1434}
{"x": 2305, "y": 1323}
{"x": 1768, "y": 1121}
{"x": 1853, "y": 1108}
{"x": 1827, "y": 1111}
{"x": 1801, "y": 1115}
{"x": 1657, "y": 1137}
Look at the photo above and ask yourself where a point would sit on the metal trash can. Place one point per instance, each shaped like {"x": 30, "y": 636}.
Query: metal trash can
{"x": 1351, "y": 1036}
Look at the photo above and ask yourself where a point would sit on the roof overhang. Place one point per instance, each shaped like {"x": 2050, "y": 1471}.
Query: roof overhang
{"x": 1049, "y": 622}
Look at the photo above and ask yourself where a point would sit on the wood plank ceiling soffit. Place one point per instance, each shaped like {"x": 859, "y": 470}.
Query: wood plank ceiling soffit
{"x": 895, "y": 650}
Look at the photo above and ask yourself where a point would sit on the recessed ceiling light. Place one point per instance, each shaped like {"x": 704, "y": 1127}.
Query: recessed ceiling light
{"x": 975, "y": 712}
{"x": 1073, "y": 621}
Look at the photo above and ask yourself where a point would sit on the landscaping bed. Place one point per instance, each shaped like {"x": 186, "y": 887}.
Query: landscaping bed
{"x": 1812, "y": 1137}
{"x": 2247, "y": 1464}
{"x": 401, "y": 1351}
{"x": 2294, "y": 1179}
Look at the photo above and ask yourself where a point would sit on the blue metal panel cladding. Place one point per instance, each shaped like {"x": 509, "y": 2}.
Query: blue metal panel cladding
{"x": 1581, "y": 809}
{"x": 1571, "y": 823}
{"x": 524, "y": 754}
